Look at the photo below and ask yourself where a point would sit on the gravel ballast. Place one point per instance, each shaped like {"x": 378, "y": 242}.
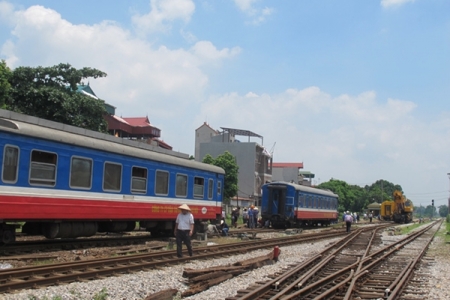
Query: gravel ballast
{"x": 139, "y": 285}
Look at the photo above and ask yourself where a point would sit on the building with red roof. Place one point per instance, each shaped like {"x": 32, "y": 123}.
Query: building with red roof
{"x": 133, "y": 128}
{"x": 136, "y": 128}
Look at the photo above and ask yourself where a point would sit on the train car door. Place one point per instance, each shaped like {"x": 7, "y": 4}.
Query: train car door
{"x": 277, "y": 200}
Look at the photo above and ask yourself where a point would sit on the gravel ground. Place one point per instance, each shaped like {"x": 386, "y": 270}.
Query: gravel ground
{"x": 439, "y": 271}
{"x": 139, "y": 285}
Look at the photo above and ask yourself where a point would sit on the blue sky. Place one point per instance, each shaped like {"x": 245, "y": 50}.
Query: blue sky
{"x": 356, "y": 90}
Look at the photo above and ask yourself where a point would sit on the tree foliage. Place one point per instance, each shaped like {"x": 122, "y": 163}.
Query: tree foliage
{"x": 355, "y": 198}
{"x": 443, "y": 210}
{"x": 5, "y": 86}
{"x": 227, "y": 162}
{"x": 51, "y": 93}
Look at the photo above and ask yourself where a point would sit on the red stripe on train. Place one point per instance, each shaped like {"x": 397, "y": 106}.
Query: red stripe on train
{"x": 311, "y": 215}
{"x": 14, "y": 208}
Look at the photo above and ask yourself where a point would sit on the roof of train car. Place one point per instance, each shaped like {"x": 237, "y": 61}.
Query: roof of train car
{"x": 100, "y": 141}
{"x": 303, "y": 188}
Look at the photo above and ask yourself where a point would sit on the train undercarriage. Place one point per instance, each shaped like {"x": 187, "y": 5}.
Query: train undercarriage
{"x": 402, "y": 217}
{"x": 64, "y": 230}
{"x": 280, "y": 222}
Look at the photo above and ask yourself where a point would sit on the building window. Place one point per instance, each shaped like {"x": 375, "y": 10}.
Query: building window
{"x": 210, "y": 188}
{"x": 43, "y": 168}
{"x": 10, "y": 164}
{"x": 162, "y": 183}
{"x": 181, "y": 186}
{"x": 139, "y": 180}
{"x": 112, "y": 177}
{"x": 81, "y": 173}
{"x": 199, "y": 185}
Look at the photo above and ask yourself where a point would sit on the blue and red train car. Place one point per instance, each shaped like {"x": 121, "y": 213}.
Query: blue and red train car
{"x": 64, "y": 181}
{"x": 287, "y": 205}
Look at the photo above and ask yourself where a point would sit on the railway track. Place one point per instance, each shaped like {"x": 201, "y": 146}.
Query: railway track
{"x": 356, "y": 267}
{"x": 34, "y": 277}
{"x": 30, "y": 247}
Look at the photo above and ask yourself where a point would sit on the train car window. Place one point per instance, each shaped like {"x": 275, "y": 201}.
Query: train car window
{"x": 199, "y": 187}
{"x": 162, "y": 183}
{"x": 112, "y": 177}
{"x": 210, "y": 188}
{"x": 219, "y": 187}
{"x": 139, "y": 180}
{"x": 10, "y": 168}
{"x": 81, "y": 173}
{"x": 302, "y": 200}
{"x": 181, "y": 187}
{"x": 43, "y": 168}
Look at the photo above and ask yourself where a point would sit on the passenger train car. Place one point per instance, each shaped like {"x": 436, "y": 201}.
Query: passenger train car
{"x": 291, "y": 205}
{"x": 64, "y": 181}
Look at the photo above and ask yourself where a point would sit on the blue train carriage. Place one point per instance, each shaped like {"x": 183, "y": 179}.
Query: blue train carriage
{"x": 63, "y": 182}
{"x": 288, "y": 205}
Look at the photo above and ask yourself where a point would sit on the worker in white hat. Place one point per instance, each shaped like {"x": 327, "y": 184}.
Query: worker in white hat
{"x": 184, "y": 228}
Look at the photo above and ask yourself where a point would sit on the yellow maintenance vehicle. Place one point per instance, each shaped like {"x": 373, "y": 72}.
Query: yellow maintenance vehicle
{"x": 398, "y": 210}
{"x": 403, "y": 208}
{"x": 387, "y": 210}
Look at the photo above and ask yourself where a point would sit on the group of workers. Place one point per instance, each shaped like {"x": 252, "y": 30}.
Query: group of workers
{"x": 350, "y": 218}
{"x": 249, "y": 216}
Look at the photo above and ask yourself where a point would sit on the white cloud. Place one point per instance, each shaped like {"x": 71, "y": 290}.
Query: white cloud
{"x": 257, "y": 15}
{"x": 163, "y": 12}
{"x": 394, "y": 3}
{"x": 207, "y": 52}
{"x": 141, "y": 78}
{"x": 6, "y": 12}
{"x": 245, "y": 5}
{"x": 357, "y": 138}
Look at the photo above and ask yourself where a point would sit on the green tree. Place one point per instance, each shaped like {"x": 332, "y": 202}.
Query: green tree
{"x": 355, "y": 198}
{"x": 443, "y": 210}
{"x": 430, "y": 211}
{"x": 419, "y": 211}
{"x": 51, "y": 93}
{"x": 227, "y": 162}
{"x": 5, "y": 86}
{"x": 344, "y": 191}
{"x": 381, "y": 190}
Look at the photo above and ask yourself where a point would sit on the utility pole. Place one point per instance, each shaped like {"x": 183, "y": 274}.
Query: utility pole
{"x": 448, "y": 174}
{"x": 381, "y": 191}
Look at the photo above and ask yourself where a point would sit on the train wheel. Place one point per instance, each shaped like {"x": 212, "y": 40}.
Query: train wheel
{"x": 8, "y": 236}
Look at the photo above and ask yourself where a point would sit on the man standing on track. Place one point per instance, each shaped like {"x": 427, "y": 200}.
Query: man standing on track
{"x": 348, "y": 221}
{"x": 184, "y": 228}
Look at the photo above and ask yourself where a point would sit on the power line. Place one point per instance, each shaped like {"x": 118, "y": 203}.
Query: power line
{"x": 429, "y": 193}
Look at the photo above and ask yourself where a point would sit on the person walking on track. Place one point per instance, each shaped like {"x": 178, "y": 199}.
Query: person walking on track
{"x": 184, "y": 228}
{"x": 348, "y": 221}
